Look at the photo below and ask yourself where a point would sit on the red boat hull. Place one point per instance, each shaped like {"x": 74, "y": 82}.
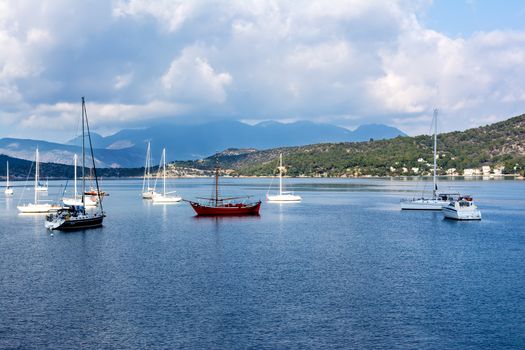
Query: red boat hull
{"x": 227, "y": 210}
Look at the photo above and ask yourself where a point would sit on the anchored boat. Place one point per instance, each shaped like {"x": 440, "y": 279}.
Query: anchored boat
{"x": 148, "y": 192}
{"x": 283, "y": 196}
{"x": 38, "y": 206}
{"x": 219, "y": 206}
{"x": 75, "y": 217}
{"x": 8, "y": 190}
{"x": 462, "y": 209}
{"x": 438, "y": 199}
{"x": 164, "y": 197}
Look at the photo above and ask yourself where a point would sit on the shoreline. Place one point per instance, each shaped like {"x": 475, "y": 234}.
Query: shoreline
{"x": 400, "y": 177}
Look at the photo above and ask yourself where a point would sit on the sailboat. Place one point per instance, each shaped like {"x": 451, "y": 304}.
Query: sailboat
{"x": 219, "y": 206}
{"x": 148, "y": 192}
{"x": 37, "y": 206}
{"x": 92, "y": 190}
{"x": 75, "y": 217}
{"x": 283, "y": 196}
{"x": 164, "y": 197}
{"x": 89, "y": 201}
{"x": 438, "y": 199}
{"x": 43, "y": 188}
{"x": 8, "y": 190}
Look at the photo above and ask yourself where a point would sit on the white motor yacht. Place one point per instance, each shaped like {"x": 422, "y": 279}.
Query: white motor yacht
{"x": 462, "y": 209}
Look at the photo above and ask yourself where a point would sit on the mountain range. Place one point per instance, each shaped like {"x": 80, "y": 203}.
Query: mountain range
{"x": 500, "y": 144}
{"x": 126, "y": 148}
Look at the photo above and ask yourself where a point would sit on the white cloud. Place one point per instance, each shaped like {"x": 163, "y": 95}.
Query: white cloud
{"x": 123, "y": 80}
{"x": 191, "y": 77}
{"x": 257, "y": 60}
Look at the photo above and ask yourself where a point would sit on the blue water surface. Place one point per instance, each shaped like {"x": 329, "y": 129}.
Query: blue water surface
{"x": 343, "y": 269}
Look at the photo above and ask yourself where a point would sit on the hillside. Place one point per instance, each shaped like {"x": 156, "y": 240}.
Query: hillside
{"x": 499, "y": 144}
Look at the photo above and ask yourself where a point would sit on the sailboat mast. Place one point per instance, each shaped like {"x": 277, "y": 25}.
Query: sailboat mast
{"x": 164, "y": 170}
{"x": 146, "y": 170}
{"x": 7, "y": 174}
{"x": 217, "y": 185}
{"x": 36, "y": 176}
{"x": 92, "y": 158}
{"x": 75, "y": 171}
{"x": 83, "y": 156}
{"x": 434, "y": 190}
{"x": 280, "y": 173}
{"x": 148, "y": 165}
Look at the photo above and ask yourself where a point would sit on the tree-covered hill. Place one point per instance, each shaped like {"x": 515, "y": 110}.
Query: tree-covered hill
{"x": 499, "y": 144}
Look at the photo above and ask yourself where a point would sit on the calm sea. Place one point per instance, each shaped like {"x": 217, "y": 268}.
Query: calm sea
{"x": 343, "y": 269}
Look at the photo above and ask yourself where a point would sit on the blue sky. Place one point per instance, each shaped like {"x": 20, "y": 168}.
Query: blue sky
{"x": 346, "y": 63}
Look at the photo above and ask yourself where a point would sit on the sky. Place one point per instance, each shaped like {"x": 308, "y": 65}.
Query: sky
{"x": 348, "y": 63}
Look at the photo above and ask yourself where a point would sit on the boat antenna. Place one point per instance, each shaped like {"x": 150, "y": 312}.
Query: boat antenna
{"x": 92, "y": 156}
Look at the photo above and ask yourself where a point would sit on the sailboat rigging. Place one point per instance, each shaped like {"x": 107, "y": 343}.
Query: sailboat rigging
{"x": 37, "y": 206}
{"x": 221, "y": 206}
{"x": 164, "y": 197}
{"x": 283, "y": 196}
{"x": 148, "y": 192}
{"x": 438, "y": 199}
{"x": 8, "y": 190}
{"x": 75, "y": 216}
{"x": 89, "y": 201}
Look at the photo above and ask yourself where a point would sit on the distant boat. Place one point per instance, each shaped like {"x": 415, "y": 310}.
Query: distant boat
{"x": 283, "y": 196}
{"x": 8, "y": 190}
{"x": 218, "y": 206}
{"x": 37, "y": 206}
{"x": 462, "y": 209}
{"x": 438, "y": 199}
{"x": 164, "y": 197}
{"x": 76, "y": 217}
{"x": 90, "y": 201}
{"x": 43, "y": 188}
{"x": 148, "y": 192}
{"x": 93, "y": 191}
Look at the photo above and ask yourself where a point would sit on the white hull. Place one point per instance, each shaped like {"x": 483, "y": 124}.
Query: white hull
{"x": 9, "y": 192}
{"x": 160, "y": 199}
{"x": 149, "y": 194}
{"x": 37, "y": 208}
{"x": 423, "y": 204}
{"x": 466, "y": 214}
{"x": 72, "y": 201}
{"x": 41, "y": 189}
{"x": 283, "y": 198}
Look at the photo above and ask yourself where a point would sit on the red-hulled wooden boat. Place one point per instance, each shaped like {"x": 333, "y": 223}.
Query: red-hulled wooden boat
{"x": 217, "y": 206}
{"x": 227, "y": 209}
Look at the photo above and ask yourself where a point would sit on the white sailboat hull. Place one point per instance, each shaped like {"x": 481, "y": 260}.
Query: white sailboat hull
{"x": 41, "y": 189}
{"x": 37, "y": 208}
{"x": 166, "y": 199}
{"x": 9, "y": 192}
{"x": 74, "y": 201}
{"x": 149, "y": 194}
{"x": 283, "y": 198}
{"x": 423, "y": 204}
